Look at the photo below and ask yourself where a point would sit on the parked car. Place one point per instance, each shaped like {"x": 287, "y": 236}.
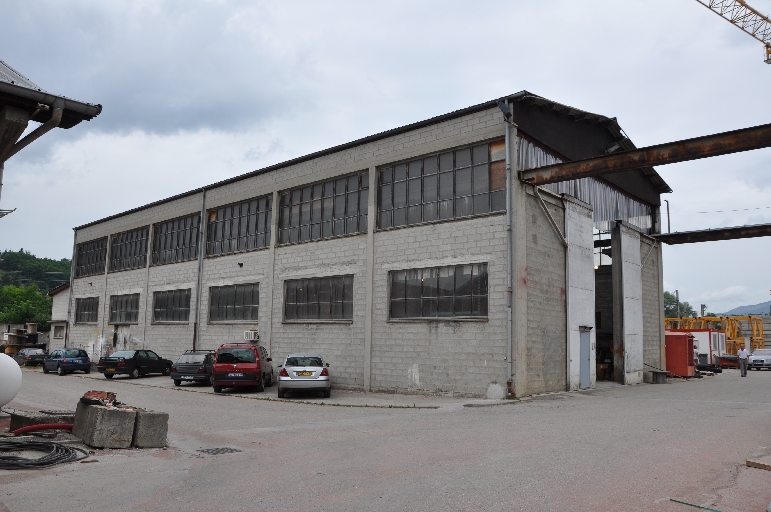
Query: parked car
{"x": 193, "y": 366}
{"x": 760, "y": 359}
{"x": 241, "y": 365}
{"x": 134, "y": 363}
{"x": 67, "y": 360}
{"x": 30, "y": 356}
{"x": 304, "y": 372}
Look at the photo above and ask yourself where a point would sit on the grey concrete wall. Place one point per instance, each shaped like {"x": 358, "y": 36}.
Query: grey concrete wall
{"x": 627, "y": 305}
{"x": 580, "y": 291}
{"x": 59, "y": 306}
{"x": 546, "y": 292}
{"x": 651, "y": 304}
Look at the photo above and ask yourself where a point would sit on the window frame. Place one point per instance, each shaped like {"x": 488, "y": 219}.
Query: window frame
{"x": 347, "y": 282}
{"x": 423, "y": 298}
{"x": 90, "y": 251}
{"x": 255, "y": 289}
{"x": 165, "y": 233}
{"x": 116, "y": 301}
{"x": 170, "y": 295}
{"x": 431, "y": 173}
{"x": 80, "y": 312}
{"x": 125, "y": 243}
{"x": 55, "y": 330}
{"x": 220, "y": 220}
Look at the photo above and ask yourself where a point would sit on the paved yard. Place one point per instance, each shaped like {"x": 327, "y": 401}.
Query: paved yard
{"x": 614, "y": 448}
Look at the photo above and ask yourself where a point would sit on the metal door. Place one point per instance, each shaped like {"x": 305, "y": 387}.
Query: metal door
{"x": 585, "y": 380}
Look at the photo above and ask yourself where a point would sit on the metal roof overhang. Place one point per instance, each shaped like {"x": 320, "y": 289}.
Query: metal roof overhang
{"x": 712, "y": 235}
{"x": 22, "y": 97}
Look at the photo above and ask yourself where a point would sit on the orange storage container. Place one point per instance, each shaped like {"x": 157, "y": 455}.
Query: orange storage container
{"x": 679, "y": 354}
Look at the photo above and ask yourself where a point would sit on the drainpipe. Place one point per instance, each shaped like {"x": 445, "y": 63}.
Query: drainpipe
{"x": 509, "y": 256}
{"x": 201, "y": 248}
{"x": 69, "y": 291}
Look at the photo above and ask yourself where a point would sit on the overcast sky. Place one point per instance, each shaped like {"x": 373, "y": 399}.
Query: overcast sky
{"x": 196, "y": 92}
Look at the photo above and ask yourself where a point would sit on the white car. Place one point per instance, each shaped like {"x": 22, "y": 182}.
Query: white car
{"x": 759, "y": 359}
{"x": 306, "y": 372}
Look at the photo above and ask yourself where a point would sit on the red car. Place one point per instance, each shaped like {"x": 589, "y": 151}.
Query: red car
{"x": 241, "y": 365}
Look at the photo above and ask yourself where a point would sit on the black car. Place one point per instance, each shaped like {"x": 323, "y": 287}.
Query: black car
{"x": 134, "y": 363}
{"x": 193, "y": 366}
{"x": 30, "y": 356}
{"x": 67, "y": 360}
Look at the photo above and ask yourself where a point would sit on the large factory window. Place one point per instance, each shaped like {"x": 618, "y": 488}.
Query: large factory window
{"x": 124, "y": 309}
{"x": 460, "y": 183}
{"x": 234, "y": 302}
{"x": 455, "y": 291}
{"x": 333, "y": 208}
{"x": 323, "y": 298}
{"x": 239, "y": 227}
{"x": 129, "y": 249}
{"x": 90, "y": 257}
{"x": 176, "y": 240}
{"x": 87, "y": 310}
{"x": 171, "y": 306}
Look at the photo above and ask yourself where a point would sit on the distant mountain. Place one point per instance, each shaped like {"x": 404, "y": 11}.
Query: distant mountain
{"x": 756, "y": 309}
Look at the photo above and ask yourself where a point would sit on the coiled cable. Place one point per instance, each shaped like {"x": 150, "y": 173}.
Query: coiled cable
{"x": 55, "y": 453}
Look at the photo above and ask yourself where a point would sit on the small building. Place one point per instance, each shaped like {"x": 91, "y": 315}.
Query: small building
{"x": 60, "y": 299}
{"x": 392, "y": 256}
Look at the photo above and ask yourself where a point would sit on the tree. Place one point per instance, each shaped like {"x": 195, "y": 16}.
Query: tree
{"x": 20, "y": 268}
{"x": 25, "y": 304}
{"x": 670, "y": 307}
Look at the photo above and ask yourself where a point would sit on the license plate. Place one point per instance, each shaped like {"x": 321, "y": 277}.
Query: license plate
{"x": 186, "y": 377}
{"x": 304, "y": 374}
{"x": 110, "y": 369}
{"x": 235, "y": 374}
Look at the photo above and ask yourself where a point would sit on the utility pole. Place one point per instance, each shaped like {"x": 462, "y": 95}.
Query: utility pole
{"x": 703, "y": 309}
{"x": 677, "y": 298}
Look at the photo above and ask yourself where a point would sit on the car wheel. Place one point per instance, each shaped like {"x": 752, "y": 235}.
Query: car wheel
{"x": 59, "y": 371}
{"x": 327, "y": 393}
{"x": 270, "y": 381}
{"x": 87, "y": 370}
{"x": 280, "y": 392}
{"x": 135, "y": 373}
{"x": 177, "y": 382}
{"x": 261, "y": 383}
{"x": 211, "y": 380}
{"x": 167, "y": 370}
{"x": 45, "y": 369}
{"x": 108, "y": 375}
{"x": 218, "y": 389}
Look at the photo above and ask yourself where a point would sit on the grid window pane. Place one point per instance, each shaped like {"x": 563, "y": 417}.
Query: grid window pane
{"x": 321, "y": 298}
{"x": 453, "y": 291}
{"x": 90, "y": 257}
{"x": 87, "y": 310}
{"x": 245, "y": 226}
{"x": 129, "y": 249}
{"x": 177, "y": 240}
{"x": 171, "y": 306}
{"x": 333, "y": 208}
{"x": 124, "y": 309}
{"x": 234, "y": 302}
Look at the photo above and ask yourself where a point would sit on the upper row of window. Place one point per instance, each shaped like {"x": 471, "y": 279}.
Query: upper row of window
{"x": 460, "y": 183}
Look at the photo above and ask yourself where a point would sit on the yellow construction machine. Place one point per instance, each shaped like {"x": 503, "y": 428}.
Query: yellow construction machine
{"x": 729, "y": 324}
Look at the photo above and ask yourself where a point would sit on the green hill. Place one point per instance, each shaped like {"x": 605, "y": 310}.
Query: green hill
{"x": 20, "y": 268}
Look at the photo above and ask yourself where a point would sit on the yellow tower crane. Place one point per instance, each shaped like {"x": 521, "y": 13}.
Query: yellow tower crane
{"x": 744, "y": 17}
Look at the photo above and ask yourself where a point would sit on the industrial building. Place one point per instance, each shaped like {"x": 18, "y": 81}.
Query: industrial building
{"x": 401, "y": 258}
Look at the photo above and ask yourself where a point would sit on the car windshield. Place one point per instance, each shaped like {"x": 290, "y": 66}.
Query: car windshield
{"x": 35, "y": 352}
{"x": 235, "y": 355}
{"x": 303, "y": 361}
{"x": 125, "y": 354}
{"x": 191, "y": 358}
{"x": 762, "y": 352}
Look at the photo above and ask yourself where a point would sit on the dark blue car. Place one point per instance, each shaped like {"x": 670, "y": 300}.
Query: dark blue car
{"x": 67, "y": 360}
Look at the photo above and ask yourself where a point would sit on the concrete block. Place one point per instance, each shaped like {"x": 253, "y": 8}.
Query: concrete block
{"x": 106, "y": 427}
{"x": 150, "y": 429}
{"x": 20, "y": 419}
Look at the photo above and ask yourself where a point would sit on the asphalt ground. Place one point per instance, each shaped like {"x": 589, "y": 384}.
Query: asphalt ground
{"x": 613, "y": 448}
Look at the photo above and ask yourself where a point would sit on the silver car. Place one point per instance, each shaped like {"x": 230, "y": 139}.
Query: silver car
{"x": 759, "y": 359}
{"x": 305, "y": 372}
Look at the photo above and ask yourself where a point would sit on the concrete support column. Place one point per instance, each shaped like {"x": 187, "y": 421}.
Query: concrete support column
{"x": 371, "y": 214}
{"x": 627, "y": 305}
{"x": 150, "y": 235}
{"x": 519, "y": 282}
{"x": 267, "y": 335}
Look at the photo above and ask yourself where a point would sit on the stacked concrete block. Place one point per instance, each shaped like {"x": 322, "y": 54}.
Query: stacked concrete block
{"x": 150, "y": 429}
{"x": 104, "y": 427}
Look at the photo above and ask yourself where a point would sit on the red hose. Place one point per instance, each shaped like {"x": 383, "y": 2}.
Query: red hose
{"x": 44, "y": 426}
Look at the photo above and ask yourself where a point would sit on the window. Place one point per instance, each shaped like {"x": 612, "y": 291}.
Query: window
{"x": 171, "y": 306}
{"x": 86, "y": 310}
{"x": 234, "y": 302}
{"x": 129, "y": 249}
{"x": 58, "y": 331}
{"x": 90, "y": 257}
{"x": 456, "y": 291}
{"x": 239, "y": 227}
{"x": 124, "y": 309}
{"x": 176, "y": 240}
{"x": 460, "y": 183}
{"x": 322, "y": 298}
{"x": 332, "y": 208}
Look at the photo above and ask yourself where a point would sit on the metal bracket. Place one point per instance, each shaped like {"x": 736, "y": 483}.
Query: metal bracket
{"x": 551, "y": 219}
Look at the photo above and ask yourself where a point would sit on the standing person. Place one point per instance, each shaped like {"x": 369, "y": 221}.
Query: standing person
{"x": 744, "y": 357}
{"x": 696, "y": 356}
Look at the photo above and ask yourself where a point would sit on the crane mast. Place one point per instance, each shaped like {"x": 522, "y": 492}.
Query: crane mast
{"x": 746, "y": 18}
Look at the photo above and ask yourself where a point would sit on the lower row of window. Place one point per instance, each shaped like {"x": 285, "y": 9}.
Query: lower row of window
{"x": 448, "y": 291}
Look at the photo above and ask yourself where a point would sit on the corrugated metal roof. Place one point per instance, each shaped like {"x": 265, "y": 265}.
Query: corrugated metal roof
{"x": 11, "y": 76}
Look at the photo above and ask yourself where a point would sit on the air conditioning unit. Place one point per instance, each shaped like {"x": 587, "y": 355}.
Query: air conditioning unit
{"x": 253, "y": 335}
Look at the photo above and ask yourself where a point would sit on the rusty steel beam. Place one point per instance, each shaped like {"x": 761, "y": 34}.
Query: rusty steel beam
{"x": 712, "y": 235}
{"x": 672, "y": 152}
